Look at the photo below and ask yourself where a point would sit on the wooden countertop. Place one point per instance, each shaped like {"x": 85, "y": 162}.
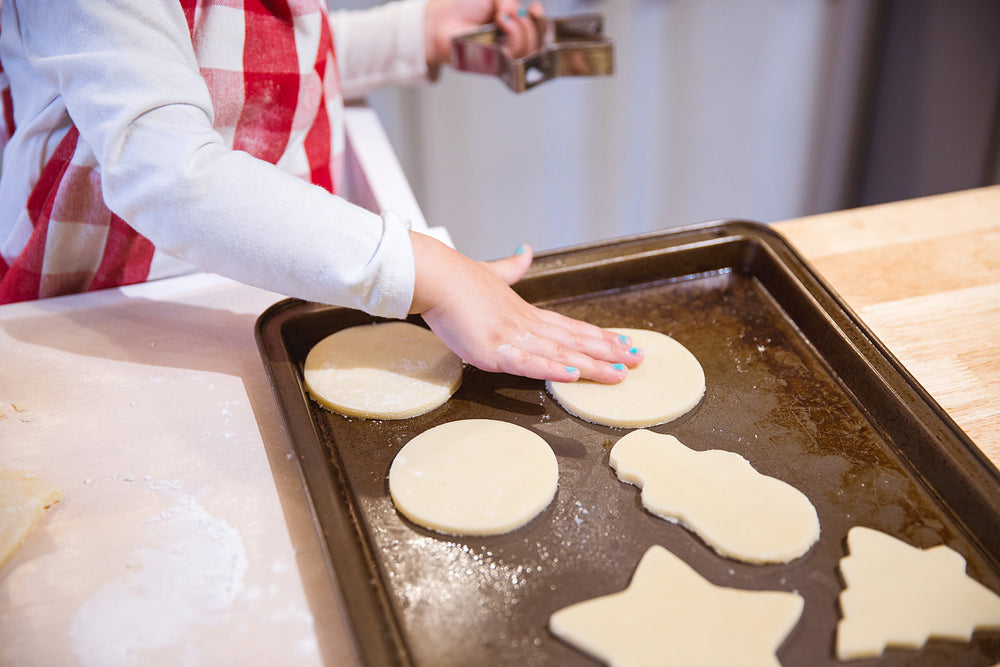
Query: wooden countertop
{"x": 184, "y": 535}
{"x": 924, "y": 275}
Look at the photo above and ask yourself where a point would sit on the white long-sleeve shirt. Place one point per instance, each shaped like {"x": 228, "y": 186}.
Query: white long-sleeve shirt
{"x": 129, "y": 77}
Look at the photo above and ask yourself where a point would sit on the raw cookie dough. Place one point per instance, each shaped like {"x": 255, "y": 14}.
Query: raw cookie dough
{"x": 898, "y": 595}
{"x": 392, "y": 370}
{"x": 737, "y": 511}
{"x": 473, "y": 477}
{"x": 669, "y": 610}
{"x": 667, "y": 384}
{"x": 23, "y": 499}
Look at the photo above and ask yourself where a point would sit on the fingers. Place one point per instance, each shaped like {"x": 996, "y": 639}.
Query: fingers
{"x": 597, "y": 354}
{"x": 591, "y": 340}
{"x": 511, "y": 269}
{"x": 519, "y": 27}
{"x": 546, "y": 359}
{"x": 517, "y": 361}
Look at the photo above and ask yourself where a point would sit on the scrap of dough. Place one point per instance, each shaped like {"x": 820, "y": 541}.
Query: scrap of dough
{"x": 23, "y": 499}
{"x": 668, "y": 609}
{"x": 898, "y": 595}
{"x": 667, "y": 384}
{"x": 736, "y": 510}
{"x": 392, "y": 370}
{"x": 474, "y": 477}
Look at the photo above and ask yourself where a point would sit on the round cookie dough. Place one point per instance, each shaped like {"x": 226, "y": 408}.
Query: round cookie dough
{"x": 474, "y": 477}
{"x": 392, "y": 370}
{"x": 667, "y": 384}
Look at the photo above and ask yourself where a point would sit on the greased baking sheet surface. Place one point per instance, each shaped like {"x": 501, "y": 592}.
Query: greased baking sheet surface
{"x": 772, "y": 395}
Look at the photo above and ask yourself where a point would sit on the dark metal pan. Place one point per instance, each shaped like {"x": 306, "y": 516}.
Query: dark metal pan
{"x": 796, "y": 384}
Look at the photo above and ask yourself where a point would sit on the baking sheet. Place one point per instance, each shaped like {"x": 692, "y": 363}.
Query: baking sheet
{"x": 794, "y": 383}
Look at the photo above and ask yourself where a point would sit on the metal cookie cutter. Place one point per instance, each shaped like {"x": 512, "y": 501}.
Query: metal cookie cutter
{"x": 571, "y": 46}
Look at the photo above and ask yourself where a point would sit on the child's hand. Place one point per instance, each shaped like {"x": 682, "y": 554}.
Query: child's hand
{"x": 472, "y": 309}
{"x": 446, "y": 19}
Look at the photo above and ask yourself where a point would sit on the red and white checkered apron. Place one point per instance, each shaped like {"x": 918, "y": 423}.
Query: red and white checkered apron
{"x": 272, "y": 107}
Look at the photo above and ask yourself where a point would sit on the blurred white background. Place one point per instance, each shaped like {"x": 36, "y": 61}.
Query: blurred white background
{"x": 758, "y": 109}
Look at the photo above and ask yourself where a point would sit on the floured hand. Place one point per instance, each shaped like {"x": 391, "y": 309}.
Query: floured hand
{"x": 473, "y": 310}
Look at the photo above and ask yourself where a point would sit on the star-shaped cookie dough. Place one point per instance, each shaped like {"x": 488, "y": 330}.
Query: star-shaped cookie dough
{"x": 899, "y": 595}
{"x": 669, "y": 614}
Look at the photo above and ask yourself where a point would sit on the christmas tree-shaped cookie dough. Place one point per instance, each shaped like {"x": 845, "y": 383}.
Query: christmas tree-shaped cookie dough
{"x": 669, "y": 614}
{"x": 901, "y": 596}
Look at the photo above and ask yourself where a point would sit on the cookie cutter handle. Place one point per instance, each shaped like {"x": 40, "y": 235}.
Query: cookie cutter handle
{"x": 571, "y": 46}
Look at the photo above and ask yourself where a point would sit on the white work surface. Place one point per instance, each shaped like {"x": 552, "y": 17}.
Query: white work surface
{"x": 183, "y": 536}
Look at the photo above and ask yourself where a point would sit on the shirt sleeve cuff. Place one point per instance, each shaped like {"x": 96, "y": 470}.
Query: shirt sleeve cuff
{"x": 380, "y": 46}
{"x": 412, "y": 40}
{"x": 395, "y": 292}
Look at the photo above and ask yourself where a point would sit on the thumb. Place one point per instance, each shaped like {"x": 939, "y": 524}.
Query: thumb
{"x": 511, "y": 269}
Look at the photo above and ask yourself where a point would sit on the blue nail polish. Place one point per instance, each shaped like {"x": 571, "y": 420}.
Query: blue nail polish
{"x": 522, "y": 12}
{"x": 633, "y": 351}
{"x": 571, "y": 369}
{"x": 623, "y": 339}
{"x": 520, "y": 250}
{"x": 618, "y": 367}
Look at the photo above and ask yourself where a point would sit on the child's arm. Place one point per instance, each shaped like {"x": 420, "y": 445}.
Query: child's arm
{"x": 128, "y": 77}
{"x": 386, "y": 45}
{"x": 470, "y": 306}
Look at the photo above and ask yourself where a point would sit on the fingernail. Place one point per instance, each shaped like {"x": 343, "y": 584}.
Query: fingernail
{"x": 571, "y": 369}
{"x": 520, "y": 250}
{"x": 623, "y": 339}
{"x": 506, "y": 17}
{"x": 522, "y": 12}
{"x": 618, "y": 367}
{"x": 633, "y": 351}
